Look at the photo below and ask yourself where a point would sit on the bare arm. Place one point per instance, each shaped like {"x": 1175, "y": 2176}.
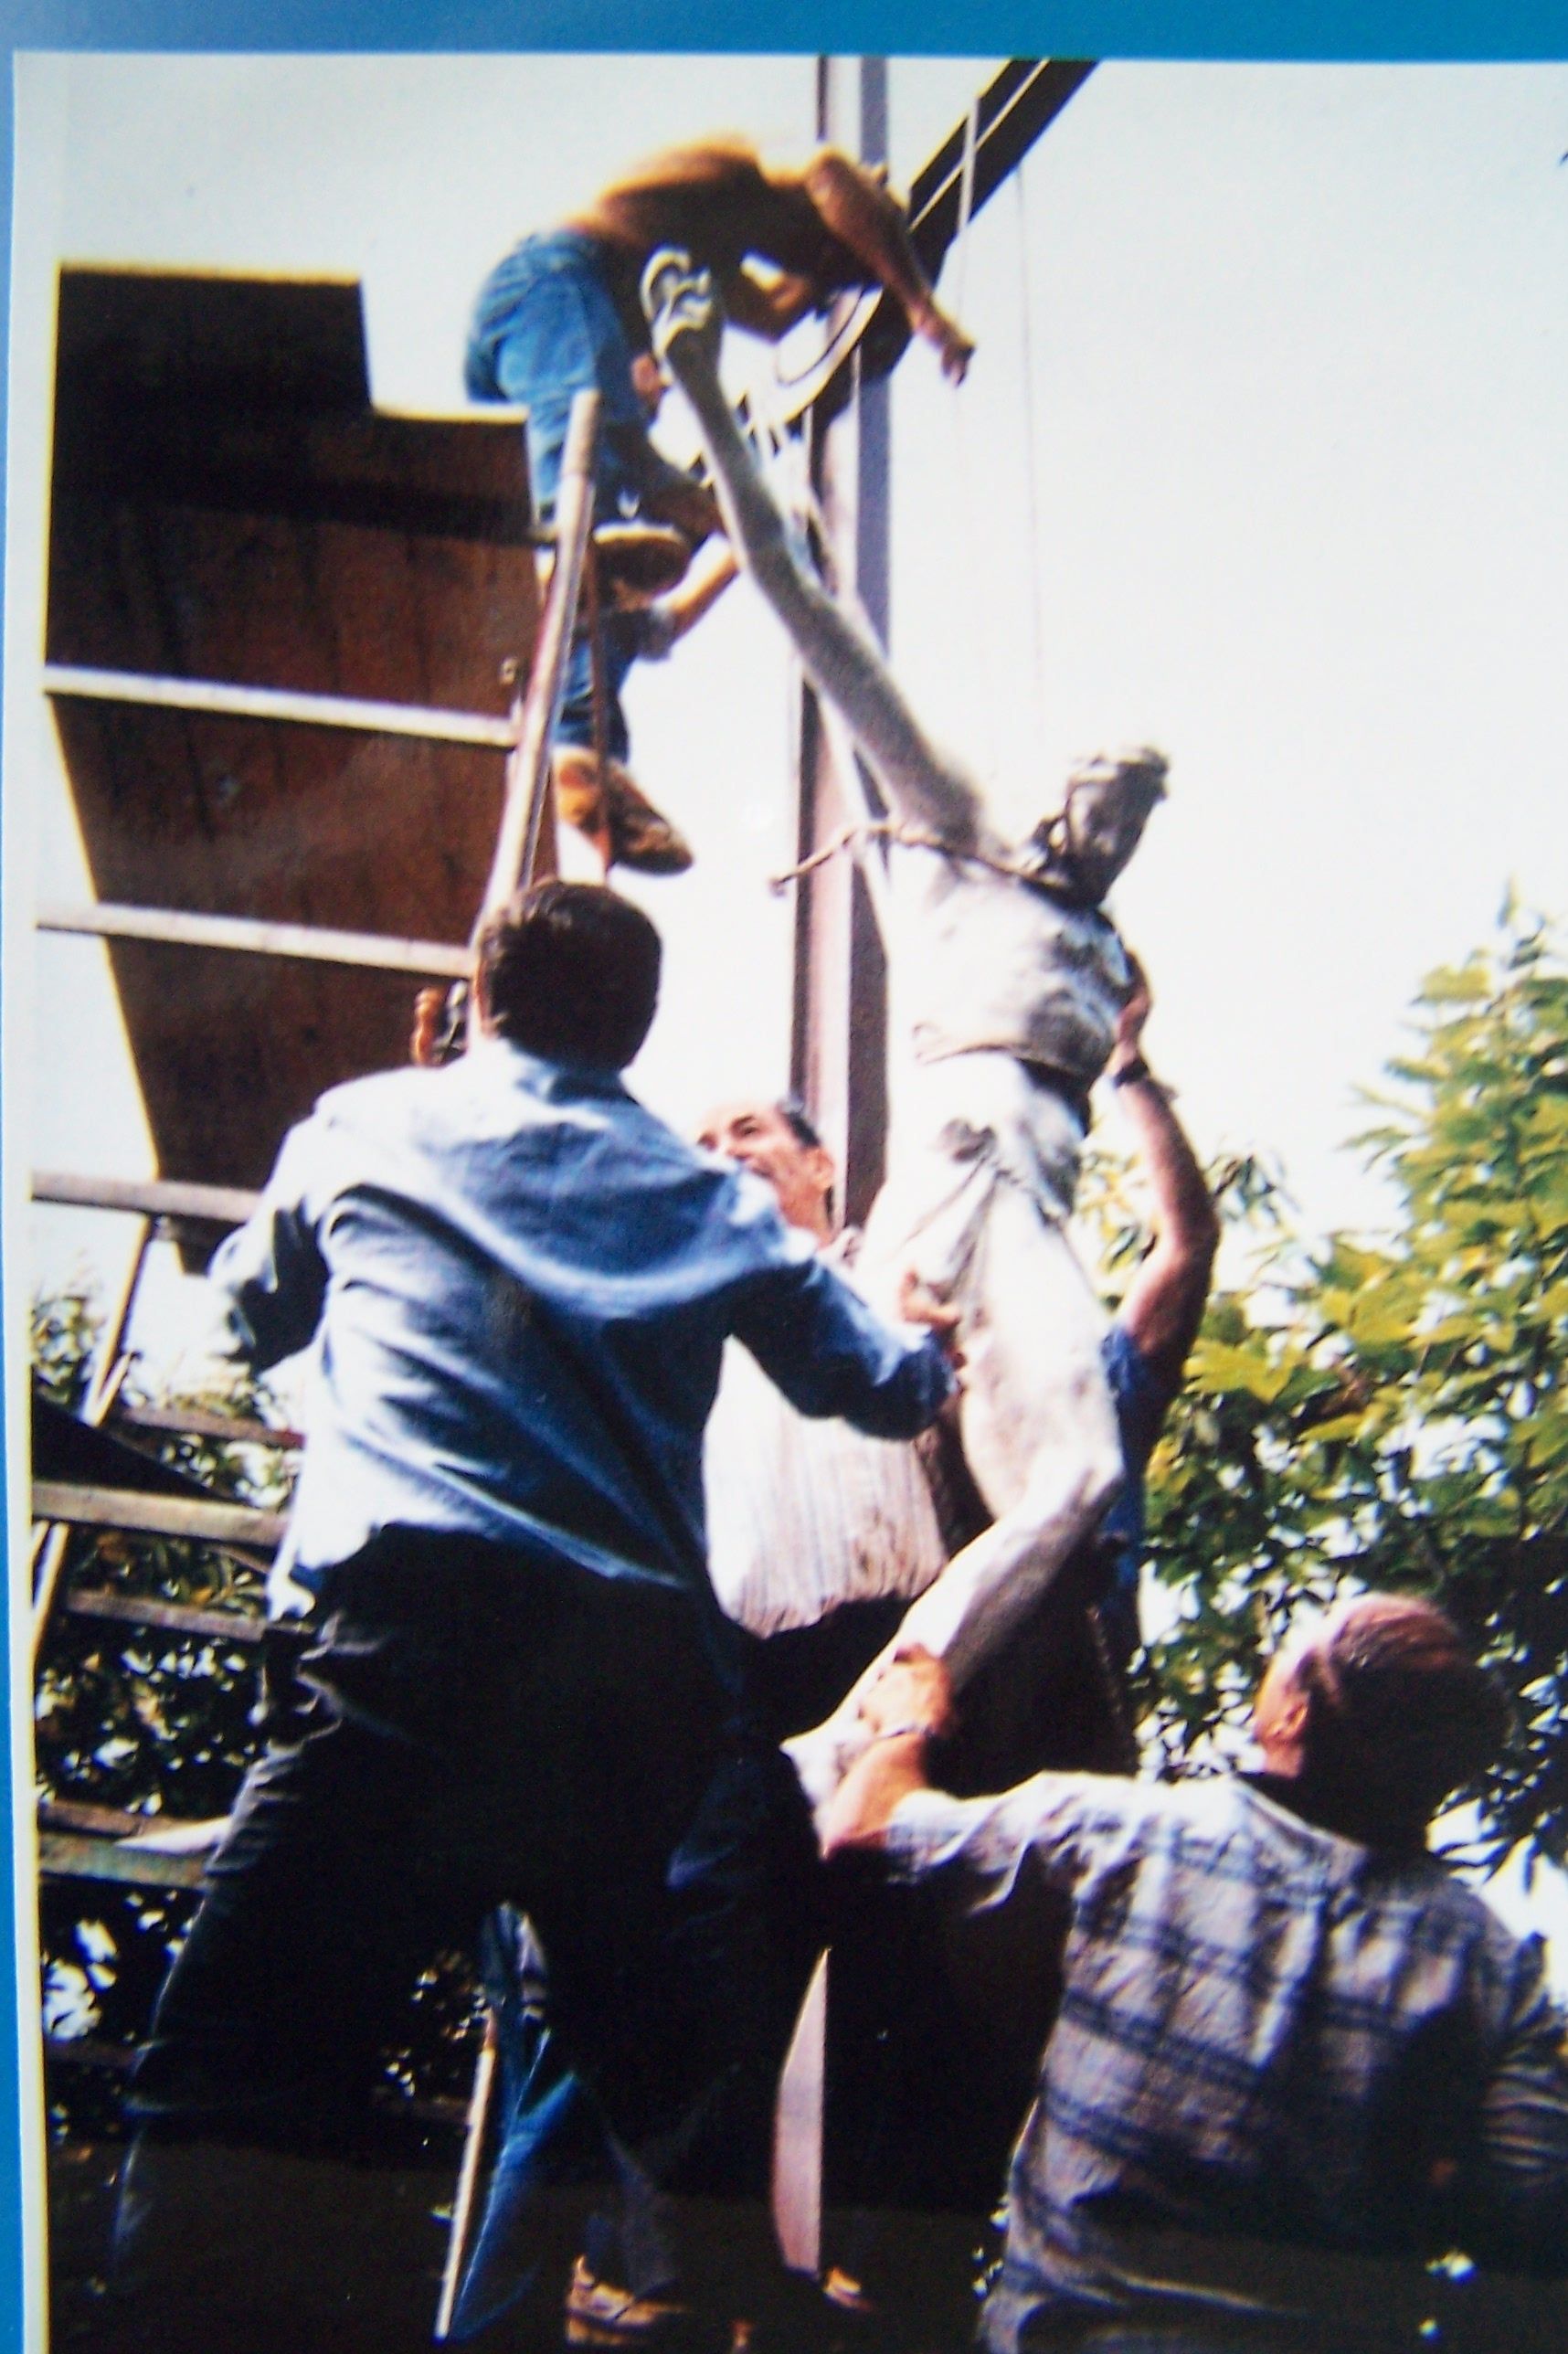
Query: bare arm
{"x": 862, "y": 214}
{"x": 1164, "y": 1305}
{"x": 924, "y": 787}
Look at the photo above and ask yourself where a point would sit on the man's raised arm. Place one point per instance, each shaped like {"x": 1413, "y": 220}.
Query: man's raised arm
{"x": 857, "y": 206}
{"x": 925, "y": 786}
{"x": 1165, "y": 1301}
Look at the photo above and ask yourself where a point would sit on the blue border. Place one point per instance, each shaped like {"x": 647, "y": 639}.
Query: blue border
{"x": 1405, "y": 30}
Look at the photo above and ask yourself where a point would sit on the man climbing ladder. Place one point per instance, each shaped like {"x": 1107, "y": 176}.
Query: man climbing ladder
{"x": 561, "y": 314}
{"x": 1014, "y": 978}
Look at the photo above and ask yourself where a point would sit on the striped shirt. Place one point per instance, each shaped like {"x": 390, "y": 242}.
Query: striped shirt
{"x": 1266, "y": 2031}
{"x": 806, "y": 1515}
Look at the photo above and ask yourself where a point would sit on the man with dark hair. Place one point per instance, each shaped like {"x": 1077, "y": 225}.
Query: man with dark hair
{"x": 560, "y": 315}
{"x": 1288, "y": 2038}
{"x": 522, "y": 1283}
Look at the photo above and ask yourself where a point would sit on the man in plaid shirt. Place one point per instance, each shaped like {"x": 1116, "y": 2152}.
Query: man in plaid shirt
{"x": 1282, "y": 2020}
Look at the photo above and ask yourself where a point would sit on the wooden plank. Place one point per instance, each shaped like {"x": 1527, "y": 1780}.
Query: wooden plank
{"x": 527, "y": 769}
{"x": 106, "y": 1822}
{"x": 309, "y": 943}
{"x": 279, "y": 705}
{"x": 174, "y": 1618}
{"x": 163, "y": 1516}
{"x": 195, "y": 1422}
{"x": 232, "y": 512}
{"x": 797, "y": 2194}
{"x": 64, "y": 1855}
{"x": 153, "y": 1197}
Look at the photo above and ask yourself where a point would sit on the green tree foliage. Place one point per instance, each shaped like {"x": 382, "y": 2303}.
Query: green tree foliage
{"x": 1391, "y": 1413}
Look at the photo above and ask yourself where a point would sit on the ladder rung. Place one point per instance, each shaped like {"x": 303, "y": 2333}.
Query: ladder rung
{"x": 63, "y": 1855}
{"x": 196, "y": 1421}
{"x": 214, "y": 697}
{"x": 309, "y": 943}
{"x": 151, "y": 1197}
{"x": 134, "y": 1510}
{"x": 107, "y": 1822}
{"x": 176, "y": 1617}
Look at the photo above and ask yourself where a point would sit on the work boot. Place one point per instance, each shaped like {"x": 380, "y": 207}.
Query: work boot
{"x": 615, "y": 816}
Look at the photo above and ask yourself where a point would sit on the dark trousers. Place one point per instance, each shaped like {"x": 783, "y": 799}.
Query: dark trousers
{"x": 490, "y": 1728}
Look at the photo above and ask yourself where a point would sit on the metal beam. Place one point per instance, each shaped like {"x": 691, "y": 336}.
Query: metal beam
{"x": 1015, "y": 107}
{"x": 214, "y": 700}
{"x": 159, "y": 1516}
{"x": 307, "y": 943}
{"x": 839, "y": 1046}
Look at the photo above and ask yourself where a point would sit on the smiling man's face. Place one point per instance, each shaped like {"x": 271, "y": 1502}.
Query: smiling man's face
{"x": 758, "y": 1135}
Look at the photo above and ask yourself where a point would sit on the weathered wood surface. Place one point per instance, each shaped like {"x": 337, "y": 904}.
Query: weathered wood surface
{"x": 228, "y": 508}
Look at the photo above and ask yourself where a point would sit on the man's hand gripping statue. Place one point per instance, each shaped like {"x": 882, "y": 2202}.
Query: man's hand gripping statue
{"x": 1015, "y": 981}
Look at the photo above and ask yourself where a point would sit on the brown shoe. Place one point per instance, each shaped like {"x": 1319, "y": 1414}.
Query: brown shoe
{"x": 600, "y": 2314}
{"x": 614, "y": 813}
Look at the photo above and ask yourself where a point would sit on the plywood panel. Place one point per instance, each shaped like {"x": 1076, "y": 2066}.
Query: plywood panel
{"x": 227, "y": 506}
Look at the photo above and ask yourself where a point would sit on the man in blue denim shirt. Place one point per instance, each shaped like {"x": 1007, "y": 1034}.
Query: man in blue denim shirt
{"x": 522, "y": 1283}
{"x": 561, "y": 315}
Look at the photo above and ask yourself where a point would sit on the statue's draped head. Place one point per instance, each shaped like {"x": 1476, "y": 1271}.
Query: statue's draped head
{"x": 1100, "y": 823}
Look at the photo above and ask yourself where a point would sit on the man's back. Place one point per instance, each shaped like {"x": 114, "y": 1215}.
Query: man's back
{"x": 524, "y": 1282}
{"x": 1265, "y": 2029}
{"x": 716, "y": 199}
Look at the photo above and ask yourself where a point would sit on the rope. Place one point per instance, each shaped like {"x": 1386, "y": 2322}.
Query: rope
{"x": 911, "y": 837}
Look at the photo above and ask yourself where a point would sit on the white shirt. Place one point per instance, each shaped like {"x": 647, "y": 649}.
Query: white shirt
{"x": 805, "y": 1514}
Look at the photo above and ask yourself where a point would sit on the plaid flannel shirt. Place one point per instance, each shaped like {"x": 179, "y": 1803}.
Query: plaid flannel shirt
{"x": 1264, "y": 2030}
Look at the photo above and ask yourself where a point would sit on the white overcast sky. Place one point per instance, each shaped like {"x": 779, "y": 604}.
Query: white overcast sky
{"x": 1263, "y": 454}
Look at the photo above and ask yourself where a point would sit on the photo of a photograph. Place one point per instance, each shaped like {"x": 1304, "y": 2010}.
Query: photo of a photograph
{"x": 786, "y": 1122}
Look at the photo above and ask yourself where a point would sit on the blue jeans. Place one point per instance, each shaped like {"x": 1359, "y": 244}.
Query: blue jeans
{"x": 546, "y": 328}
{"x": 620, "y": 637}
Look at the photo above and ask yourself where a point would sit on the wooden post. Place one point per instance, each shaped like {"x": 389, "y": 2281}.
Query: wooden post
{"x": 528, "y": 764}
{"x": 474, "y": 2133}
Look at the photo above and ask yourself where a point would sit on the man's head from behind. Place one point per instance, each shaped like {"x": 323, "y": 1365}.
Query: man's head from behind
{"x": 1378, "y": 1717}
{"x": 1101, "y": 821}
{"x": 569, "y": 972}
{"x": 778, "y": 1141}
